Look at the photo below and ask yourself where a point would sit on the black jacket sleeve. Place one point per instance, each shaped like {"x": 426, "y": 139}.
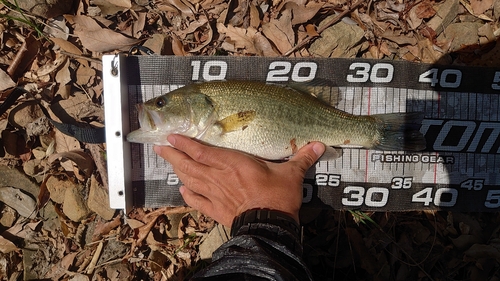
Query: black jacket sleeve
{"x": 259, "y": 251}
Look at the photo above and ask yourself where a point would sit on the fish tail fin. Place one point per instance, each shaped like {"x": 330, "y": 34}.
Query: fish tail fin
{"x": 400, "y": 131}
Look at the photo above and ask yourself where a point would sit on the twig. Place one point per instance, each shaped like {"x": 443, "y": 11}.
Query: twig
{"x": 80, "y": 57}
{"x": 330, "y": 23}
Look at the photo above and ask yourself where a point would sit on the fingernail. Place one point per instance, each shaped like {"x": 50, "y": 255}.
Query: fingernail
{"x": 182, "y": 189}
{"x": 319, "y": 149}
{"x": 157, "y": 149}
{"x": 171, "y": 139}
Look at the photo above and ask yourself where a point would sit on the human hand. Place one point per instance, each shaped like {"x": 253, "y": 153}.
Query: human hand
{"x": 223, "y": 183}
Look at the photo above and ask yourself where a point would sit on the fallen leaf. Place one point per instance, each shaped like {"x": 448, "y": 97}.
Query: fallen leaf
{"x": 241, "y": 38}
{"x": 44, "y": 194}
{"x": 425, "y": 10}
{"x": 311, "y": 30}
{"x": 70, "y": 48}
{"x": 84, "y": 74}
{"x": 193, "y": 26}
{"x": 303, "y": 13}
{"x": 5, "y": 81}
{"x": 254, "y": 17}
{"x": 98, "y": 39}
{"x": 6, "y": 246}
{"x": 480, "y": 6}
{"x": 468, "y": 7}
{"x": 264, "y": 46}
{"x": 65, "y": 143}
{"x": 280, "y": 32}
{"x": 63, "y": 77}
{"x": 178, "y": 47}
{"x": 57, "y": 28}
{"x": 19, "y": 201}
{"x": 82, "y": 162}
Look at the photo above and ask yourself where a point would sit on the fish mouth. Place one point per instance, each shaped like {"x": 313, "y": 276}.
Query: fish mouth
{"x": 146, "y": 120}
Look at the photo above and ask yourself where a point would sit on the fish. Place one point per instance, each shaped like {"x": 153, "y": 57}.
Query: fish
{"x": 270, "y": 121}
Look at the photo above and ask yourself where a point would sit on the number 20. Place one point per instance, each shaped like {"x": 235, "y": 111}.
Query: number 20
{"x": 279, "y": 71}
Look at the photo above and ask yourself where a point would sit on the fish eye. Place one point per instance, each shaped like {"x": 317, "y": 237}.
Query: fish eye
{"x": 160, "y": 102}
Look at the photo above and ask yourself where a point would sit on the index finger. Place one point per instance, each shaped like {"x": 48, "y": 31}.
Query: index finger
{"x": 182, "y": 163}
{"x": 201, "y": 153}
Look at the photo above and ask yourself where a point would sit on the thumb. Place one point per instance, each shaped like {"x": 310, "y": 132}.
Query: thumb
{"x": 308, "y": 155}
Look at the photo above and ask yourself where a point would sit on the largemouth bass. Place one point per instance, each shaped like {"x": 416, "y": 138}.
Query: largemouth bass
{"x": 267, "y": 120}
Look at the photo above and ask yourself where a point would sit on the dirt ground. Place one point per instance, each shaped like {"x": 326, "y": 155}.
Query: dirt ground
{"x": 55, "y": 223}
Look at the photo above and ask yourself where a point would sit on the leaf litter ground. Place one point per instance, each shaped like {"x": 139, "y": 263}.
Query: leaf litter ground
{"x": 54, "y": 221}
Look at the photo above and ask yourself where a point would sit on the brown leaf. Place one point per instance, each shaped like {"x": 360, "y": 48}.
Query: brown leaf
{"x": 70, "y": 48}
{"x": 280, "y": 32}
{"x": 19, "y": 201}
{"x": 5, "y": 81}
{"x": 84, "y": 74}
{"x": 240, "y": 38}
{"x": 480, "y": 6}
{"x": 63, "y": 78}
{"x": 121, "y": 3}
{"x": 6, "y": 246}
{"x": 425, "y": 10}
{"x": 264, "y": 46}
{"x": 82, "y": 160}
{"x": 177, "y": 47}
{"x": 311, "y": 30}
{"x": 65, "y": 143}
{"x": 303, "y": 13}
{"x": 44, "y": 194}
{"x": 185, "y": 8}
{"x": 104, "y": 227}
{"x": 254, "y": 17}
{"x": 98, "y": 39}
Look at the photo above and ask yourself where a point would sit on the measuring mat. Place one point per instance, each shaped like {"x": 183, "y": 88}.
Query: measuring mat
{"x": 458, "y": 171}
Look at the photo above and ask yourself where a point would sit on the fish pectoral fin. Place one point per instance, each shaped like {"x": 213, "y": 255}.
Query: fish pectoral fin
{"x": 237, "y": 121}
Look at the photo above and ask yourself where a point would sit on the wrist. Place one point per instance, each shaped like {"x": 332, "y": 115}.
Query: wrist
{"x": 272, "y": 224}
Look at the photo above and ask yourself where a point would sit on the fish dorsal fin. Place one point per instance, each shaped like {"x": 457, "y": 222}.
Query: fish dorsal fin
{"x": 237, "y": 121}
{"x": 320, "y": 90}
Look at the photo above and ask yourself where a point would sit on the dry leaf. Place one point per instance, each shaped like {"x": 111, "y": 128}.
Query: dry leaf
{"x": 98, "y": 39}
{"x": 70, "y": 48}
{"x": 185, "y": 8}
{"x": 311, "y": 30}
{"x": 425, "y": 10}
{"x": 480, "y": 6}
{"x": 57, "y": 28}
{"x": 84, "y": 74}
{"x": 6, "y": 246}
{"x": 63, "y": 78}
{"x": 19, "y": 201}
{"x": 178, "y": 47}
{"x": 193, "y": 26}
{"x": 44, "y": 194}
{"x": 65, "y": 143}
{"x": 303, "y": 13}
{"x": 82, "y": 162}
{"x": 5, "y": 81}
{"x": 240, "y": 38}
{"x": 121, "y": 3}
{"x": 264, "y": 46}
{"x": 280, "y": 32}
{"x": 254, "y": 17}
